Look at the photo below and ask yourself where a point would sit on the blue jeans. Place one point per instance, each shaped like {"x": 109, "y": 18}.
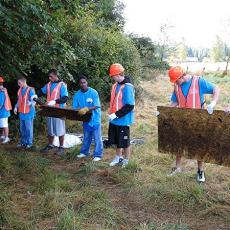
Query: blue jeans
{"x": 26, "y": 131}
{"x": 89, "y": 134}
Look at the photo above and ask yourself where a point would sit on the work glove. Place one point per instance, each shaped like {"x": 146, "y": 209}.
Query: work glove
{"x": 51, "y": 103}
{"x": 210, "y": 107}
{"x": 29, "y": 103}
{"x": 15, "y": 110}
{"x": 112, "y": 116}
{"x": 156, "y": 113}
{"x": 83, "y": 111}
{"x": 32, "y": 103}
{"x": 34, "y": 97}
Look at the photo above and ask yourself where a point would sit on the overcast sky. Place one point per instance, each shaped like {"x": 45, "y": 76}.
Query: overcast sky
{"x": 198, "y": 21}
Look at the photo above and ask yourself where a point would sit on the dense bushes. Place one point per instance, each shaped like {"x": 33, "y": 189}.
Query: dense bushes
{"x": 74, "y": 36}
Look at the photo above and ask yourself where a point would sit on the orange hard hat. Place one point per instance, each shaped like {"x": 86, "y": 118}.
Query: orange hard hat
{"x": 1, "y": 79}
{"x": 175, "y": 73}
{"x": 116, "y": 69}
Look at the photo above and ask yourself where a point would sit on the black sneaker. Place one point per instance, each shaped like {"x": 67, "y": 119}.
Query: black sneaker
{"x": 47, "y": 149}
{"x": 60, "y": 151}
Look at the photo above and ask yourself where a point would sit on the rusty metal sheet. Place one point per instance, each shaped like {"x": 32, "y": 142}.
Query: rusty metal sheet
{"x": 64, "y": 113}
{"x": 195, "y": 134}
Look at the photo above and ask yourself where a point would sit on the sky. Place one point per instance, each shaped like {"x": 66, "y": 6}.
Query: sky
{"x": 198, "y": 21}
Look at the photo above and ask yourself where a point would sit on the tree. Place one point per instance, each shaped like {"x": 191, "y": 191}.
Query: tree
{"x": 182, "y": 50}
{"x": 165, "y": 45}
{"x": 148, "y": 52}
{"x": 74, "y": 36}
{"x": 217, "y": 51}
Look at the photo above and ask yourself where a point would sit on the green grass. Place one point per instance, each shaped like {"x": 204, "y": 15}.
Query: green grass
{"x": 163, "y": 226}
{"x": 66, "y": 193}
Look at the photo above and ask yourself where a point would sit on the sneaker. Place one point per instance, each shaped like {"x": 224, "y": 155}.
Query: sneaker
{"x": 200, "y": 176}
{"x": 125, "y": 162}
{"x": 6, "y": 140}
{"x": 47, "y": 149}
{"x": 2, "y": 138}
{"x": 175, "y": 171}
{"x": 81, "y": 155}
{"x": 95, "y": 159}
{"x": 19, "y": 146}
{"x": 28, "y": 146}
{"x": 61, "y": 151}
{"x": 116, "y": 160}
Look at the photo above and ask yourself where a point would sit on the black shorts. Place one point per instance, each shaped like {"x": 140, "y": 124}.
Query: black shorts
{"x": 119, "y": 136}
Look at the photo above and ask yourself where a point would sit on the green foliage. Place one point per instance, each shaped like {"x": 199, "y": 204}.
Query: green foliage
{"x": 75, "y": 36}
{"x": 149, "y": 53}
{"x": 218, "y": 50}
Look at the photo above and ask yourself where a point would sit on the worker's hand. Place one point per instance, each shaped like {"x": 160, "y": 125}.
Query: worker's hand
{"x": 83, "y": 111}
{"x": 210, "y": 107}
{"x": 15, "y": 110}
{"x": 51, "y": 103}
{"x": 227, "y": 110}
{"x": 112, "y": 116}
{"x": 156, "y": 113}
{"x": 29, "y": 103}
{"x": 34, "y": 97}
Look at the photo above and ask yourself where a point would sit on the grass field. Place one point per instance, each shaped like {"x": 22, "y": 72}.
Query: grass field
{"x": 39, "y": 192}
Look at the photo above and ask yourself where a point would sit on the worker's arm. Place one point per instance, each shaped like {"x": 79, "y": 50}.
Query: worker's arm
{"x": 93, "y": 108}
{"x": 2, "y": 99}
{"x": 173, "y": 104}
{"x": 62, "y": 100}
{"x": 124, "y": 110}
{"x": 215, "y": 97}
{"x": 40, "y": 93}
{"x": 129, "y": 101}
{"x": 64, "y": 95}
{"x": 216, "y": 94}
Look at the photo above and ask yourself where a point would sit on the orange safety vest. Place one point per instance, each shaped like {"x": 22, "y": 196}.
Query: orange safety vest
{"x": 7, "y": 103}
{"x": 116, "y": 102}
{"x": 56, "y": 93}
{"x": 192, "y": 100}
{"x": 23, "y": 106}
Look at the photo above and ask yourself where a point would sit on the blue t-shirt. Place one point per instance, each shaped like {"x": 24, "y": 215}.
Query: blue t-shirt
{"x": 31, "y": 114}
{"x": 127, "y": 98}
{"x": 63, "y": 90}
{"x": 3, "y": 112}
{"x": 205, "y": 88}
{"x": 89, "y": 98}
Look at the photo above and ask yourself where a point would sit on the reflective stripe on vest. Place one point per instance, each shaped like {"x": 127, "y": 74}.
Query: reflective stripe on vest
{"x": 56, "y": 93}
{"x": 7, "y": 103}
{"x": 23, "y": 106}
{"x": 192, "y": 100}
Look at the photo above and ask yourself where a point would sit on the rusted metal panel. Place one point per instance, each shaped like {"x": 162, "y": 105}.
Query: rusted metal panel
{"x": 195, "y": 134}
{"x": 64, "y": 113}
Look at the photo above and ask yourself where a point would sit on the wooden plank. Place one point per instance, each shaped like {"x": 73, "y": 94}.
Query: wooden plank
{"x": 195, "y": 134}
{"x": 71, "y": 114}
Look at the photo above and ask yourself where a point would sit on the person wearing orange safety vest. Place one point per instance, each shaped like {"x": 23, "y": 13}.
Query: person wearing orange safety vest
{"x": 5, "y": 107}
{"x": 56, "y": 96}
{"x": 189, "y": 92}
{"x": 26, "y": 108}
{"x": 121, "y": 114}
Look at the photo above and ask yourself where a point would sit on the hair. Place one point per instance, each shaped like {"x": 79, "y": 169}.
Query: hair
{"x": 82, "y": 77}
{"x": 22, "y": 78}
{"x": 53, "y": 71}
